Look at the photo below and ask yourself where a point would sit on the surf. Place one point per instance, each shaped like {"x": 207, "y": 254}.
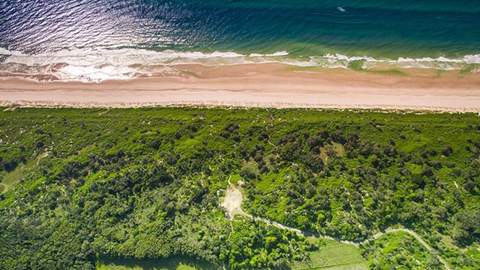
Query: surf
{"x": 95, "y": 65}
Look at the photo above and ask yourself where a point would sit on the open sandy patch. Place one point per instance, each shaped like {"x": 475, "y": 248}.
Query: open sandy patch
{"x": 232, "y": 202}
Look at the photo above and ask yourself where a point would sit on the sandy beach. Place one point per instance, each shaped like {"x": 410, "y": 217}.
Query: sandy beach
{"x": 260, "y": 85}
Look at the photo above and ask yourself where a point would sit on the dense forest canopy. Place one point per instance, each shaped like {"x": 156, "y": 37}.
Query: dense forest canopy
{"x": 83, "y": 185}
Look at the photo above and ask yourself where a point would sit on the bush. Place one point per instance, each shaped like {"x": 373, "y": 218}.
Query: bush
{"x": 155, "y": 144}
{"x": 447, "y": 151}
{"x": 249, "y": 171}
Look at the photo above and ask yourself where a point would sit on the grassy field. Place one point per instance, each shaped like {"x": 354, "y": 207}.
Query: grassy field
{"x": 334, "y": 255}
{"x": 9, "y": 179}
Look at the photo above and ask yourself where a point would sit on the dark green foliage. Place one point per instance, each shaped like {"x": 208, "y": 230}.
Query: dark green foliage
{"x": 147, "y": 183}
{"x": 467, "y": 227}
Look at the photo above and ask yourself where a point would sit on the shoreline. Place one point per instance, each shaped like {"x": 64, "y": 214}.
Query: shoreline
{"x": 259, "y": 85}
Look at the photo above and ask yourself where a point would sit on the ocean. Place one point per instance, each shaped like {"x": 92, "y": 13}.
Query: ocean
{"x": 94, "y": 40}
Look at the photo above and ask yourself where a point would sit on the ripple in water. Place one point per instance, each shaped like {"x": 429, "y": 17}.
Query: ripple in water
{"x": 101, "y": 39}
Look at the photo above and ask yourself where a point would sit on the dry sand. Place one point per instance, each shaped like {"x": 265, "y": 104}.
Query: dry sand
{"x": 265, "y": 85}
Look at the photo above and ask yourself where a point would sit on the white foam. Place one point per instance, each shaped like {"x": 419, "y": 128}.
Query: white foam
{"x": 281, "y": 53}
{"x": 4, "y": 51}
{"x": 404, "y": 62}
{"x": 118, "y": 64}
{"x": 275, "y": 54}
{"x": 94, "y": 74}
{"x": 116, "y": 57}
{"x": 472, "y": 59}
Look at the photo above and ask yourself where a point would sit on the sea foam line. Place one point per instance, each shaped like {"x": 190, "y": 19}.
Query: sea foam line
{"x": 119, "y": 64}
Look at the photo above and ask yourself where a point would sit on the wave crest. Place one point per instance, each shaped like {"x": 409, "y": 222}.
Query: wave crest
{"x": 120, "y": 64}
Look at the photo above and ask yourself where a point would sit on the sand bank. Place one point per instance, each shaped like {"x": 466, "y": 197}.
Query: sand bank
{"x": 265, "y": 85}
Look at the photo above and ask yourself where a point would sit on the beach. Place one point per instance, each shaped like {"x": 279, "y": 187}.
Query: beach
{"x": 280, "y": 54}
{"x": 259, "y": 85}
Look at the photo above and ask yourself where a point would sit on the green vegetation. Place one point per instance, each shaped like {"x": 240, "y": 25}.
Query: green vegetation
{"x": 10, "y": 179}
{"x": 334, "y": 256}
{"x": 173, "y": 263}
{"x": 131, "y": 188}
{"x": 469, "y": 68}
{"x": 356, "y": 65}
{"x": 399, "y": 249}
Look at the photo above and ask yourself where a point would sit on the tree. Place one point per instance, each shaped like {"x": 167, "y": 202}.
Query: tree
{"x": 249, "y": 171}
{"x": 155, "y": 144}
{"x": 447, "y": 151}
{"x": 467, "y": 227}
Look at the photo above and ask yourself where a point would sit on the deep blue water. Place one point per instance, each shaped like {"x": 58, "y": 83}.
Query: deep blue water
{"x": 391, "y": 27}
{"x": 303, "y": 28}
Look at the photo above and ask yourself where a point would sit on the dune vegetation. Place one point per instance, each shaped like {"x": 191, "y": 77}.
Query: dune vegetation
{"x": 135, "y": 188}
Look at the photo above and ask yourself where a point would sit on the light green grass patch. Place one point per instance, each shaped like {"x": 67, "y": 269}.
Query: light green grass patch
{"x": 271, "y": 181}
{"x": 188, "y": 144}
{"x": 12, "y": 178}
{"x": 334, "y": 255}
{"x": 414, "y": 142}
{"x": 414, "y": 168}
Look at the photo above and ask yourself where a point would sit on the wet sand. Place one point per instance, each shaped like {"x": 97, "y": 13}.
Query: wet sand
{"x": 260, "y": 85}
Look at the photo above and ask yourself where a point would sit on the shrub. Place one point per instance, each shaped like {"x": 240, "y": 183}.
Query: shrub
{"x": 249, "y": 171}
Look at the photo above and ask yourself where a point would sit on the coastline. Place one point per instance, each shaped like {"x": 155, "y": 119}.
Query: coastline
{"x": 259, "y": 85}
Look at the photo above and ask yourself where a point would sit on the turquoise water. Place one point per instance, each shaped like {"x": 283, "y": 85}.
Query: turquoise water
{"x": 305, "y": 32}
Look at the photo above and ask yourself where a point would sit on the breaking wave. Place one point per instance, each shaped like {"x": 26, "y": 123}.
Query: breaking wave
{"x": 91, "y": 65}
